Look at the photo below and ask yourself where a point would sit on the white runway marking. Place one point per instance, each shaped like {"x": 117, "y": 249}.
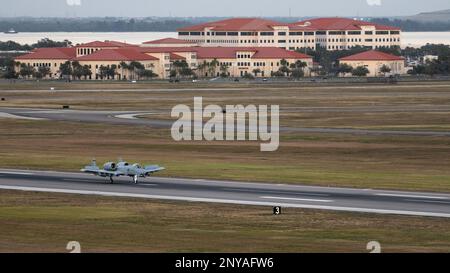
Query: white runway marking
{"x": 411, "y": 196}
{"x": 77, "y": 180}
{"x": 428, "y": 201}
{"x": 228, "y": 201}
{"x": 132, "y": 116}
{"x": 19, "y": 173}
{"x": 274, "y": 192}
{"x": 7, "y": 115}
{"x": 296, "y": 199}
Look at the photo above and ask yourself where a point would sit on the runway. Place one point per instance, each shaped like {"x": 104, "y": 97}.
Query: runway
{"x": 227, "y": 192}
{"x": 132, "y": 118}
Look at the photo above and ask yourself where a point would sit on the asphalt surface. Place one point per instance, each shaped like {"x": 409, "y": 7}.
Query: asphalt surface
{"x": 132, "y": 118}
{"x": 210, "y": 191}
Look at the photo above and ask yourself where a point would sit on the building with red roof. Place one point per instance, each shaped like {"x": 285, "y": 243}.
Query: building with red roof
{"x": 240, "y": 61}
{"x": 329, "y": 33}
{"x": 374, "y": 60}
{"x": 234, "y": 61}
{"x": 169, "y": 42}
{"x": 91, "y": 47}
{"x": 51, "y": 58}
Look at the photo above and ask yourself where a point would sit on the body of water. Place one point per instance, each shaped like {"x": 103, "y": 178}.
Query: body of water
{"x": 84, "y": 37}
{"x": 413, "y": 39}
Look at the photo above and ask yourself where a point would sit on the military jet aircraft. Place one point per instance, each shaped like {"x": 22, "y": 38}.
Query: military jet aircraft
{"x": 121, "y": 168}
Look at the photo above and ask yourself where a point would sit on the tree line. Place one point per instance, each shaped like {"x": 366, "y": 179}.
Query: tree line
{"x": 111, "y": 24}
{"x": 329, "y": 60}
{"x": 13, "y": 46}
{"x": 74, "y": 70}
{"x": 411, "y": 25}
{"x": 107, "y": 24}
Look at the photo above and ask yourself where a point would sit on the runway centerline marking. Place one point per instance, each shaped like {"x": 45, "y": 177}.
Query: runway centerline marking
{"x": 274, "y": 191}
{"x": 78, "y": 180}
{"x": 412, "y": 196}
{"x": 296, "y": 199}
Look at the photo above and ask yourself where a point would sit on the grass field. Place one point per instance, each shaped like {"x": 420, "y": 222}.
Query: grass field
{"x": 37, "y": 222}
{"x": 40, "y": 222}
{"x": 388, "y": 162}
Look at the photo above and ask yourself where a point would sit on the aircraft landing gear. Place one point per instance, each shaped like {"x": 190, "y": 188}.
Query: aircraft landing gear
{"x": 135, "y": 179}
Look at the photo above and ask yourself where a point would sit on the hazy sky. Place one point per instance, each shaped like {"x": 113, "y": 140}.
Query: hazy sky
{"x": 163, "y": 8}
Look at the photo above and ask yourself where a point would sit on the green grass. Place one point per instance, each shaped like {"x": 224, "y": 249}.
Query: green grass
{"x": 41, "y": 222}
{"x": 408, "y": 163}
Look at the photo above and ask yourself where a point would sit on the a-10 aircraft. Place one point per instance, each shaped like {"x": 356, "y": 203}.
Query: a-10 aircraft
{"x": 121, "y": 168}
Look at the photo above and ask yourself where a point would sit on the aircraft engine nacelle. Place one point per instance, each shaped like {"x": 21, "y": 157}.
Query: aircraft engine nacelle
{"x": 110, "y": 166}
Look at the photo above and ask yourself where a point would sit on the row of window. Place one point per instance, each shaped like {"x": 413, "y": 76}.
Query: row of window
{"x": 355, "y": 40}
{"x": 350, "y": 46}
{"x": 256, "y": 41}
{"x": 291, "y": 33}
{"x": 86, "y": 51}
{"x": 256, "y": 64}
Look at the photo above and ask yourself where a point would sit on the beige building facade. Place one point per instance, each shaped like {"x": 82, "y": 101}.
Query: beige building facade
{"x": 374, "y": 61}
{"x": 328, "y": 33}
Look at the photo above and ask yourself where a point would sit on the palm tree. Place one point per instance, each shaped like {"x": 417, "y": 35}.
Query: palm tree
{"x": 385, "y": 69}
{"x": 256, "y": 71}
{"x": 212, "y": 66}
{"x": 202, "y": 67}
{"x": 224, "y": 70}
{"x": 124, "y": 66}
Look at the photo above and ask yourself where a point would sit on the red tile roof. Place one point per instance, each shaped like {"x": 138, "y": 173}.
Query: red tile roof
{"x": 259, "y": 53}
{"x": 166, "y": 49}
{"x": 340, "y": 24}
{"x": 105, "y": 44}
{"x": 169, "y": 41}
{"x": 174, "y": 56}
{"x": 372, "y": 55}
{"x": 122, "y": 54}
{"x": 57, "y": 53}
{"x": 228, "y": 52}
{"x": 236, "y": 24}
{"x": 256, "y": 24}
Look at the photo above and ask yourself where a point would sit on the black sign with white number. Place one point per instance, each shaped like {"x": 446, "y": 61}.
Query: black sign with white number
{"x": 276, "y": 210}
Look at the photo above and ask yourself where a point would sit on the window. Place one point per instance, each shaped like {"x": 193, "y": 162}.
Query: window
{"x": 281, "y": 33}
{"x": 296, "y": 33}
{"x": 183, "y": 33}
{"x": 266, "y": 33}
{"x": 354, "y": 33}
{"x": 382, "y": 32}
{"x": 395, "y": 32}
{"x": 336, "y": 32}
{"x": 309, "y": 33}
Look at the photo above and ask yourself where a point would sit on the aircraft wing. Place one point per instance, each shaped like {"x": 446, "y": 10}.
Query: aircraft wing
{"x": 153, "y": 169}
{"x": 100, "y": 172}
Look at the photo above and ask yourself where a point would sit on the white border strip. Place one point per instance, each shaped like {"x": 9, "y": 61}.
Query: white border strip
{"x": 226, "y": 201}
{"x": 412, "y": 196}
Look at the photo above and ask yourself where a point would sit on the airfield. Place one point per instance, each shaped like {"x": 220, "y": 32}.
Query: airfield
{"x": 366, "y": 153}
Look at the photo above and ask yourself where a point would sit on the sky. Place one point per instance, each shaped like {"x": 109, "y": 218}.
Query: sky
{"x": 222, "y": 8}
